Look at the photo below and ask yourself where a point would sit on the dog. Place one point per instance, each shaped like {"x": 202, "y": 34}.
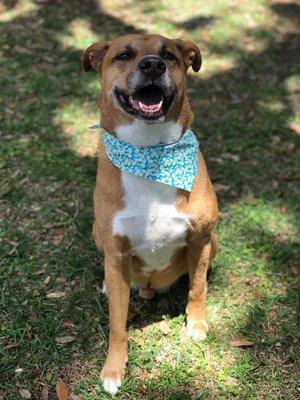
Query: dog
{"x": 151, "y": 232}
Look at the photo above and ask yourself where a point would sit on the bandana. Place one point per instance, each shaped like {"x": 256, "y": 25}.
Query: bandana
{"x": 174, "y": 164}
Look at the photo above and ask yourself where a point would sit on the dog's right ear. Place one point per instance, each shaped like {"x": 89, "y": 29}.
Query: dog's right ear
{"x": 94, "y": 55}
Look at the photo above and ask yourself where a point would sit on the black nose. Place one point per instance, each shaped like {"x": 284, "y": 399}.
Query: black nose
{"x": 153, "y": 67}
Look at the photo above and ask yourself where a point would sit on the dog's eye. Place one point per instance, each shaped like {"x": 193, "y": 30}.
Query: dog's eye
{"x": 168, "y": 55}
{"x": 126, "y": 56}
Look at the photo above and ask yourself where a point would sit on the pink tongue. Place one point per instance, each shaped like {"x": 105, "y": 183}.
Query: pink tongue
{"x": 147, "y": 108}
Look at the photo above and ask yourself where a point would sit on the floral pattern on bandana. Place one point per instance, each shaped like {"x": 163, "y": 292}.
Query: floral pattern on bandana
{"x": 174, "y": 164}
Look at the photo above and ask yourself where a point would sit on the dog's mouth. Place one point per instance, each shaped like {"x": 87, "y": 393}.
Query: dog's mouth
{"x": 149, "y": 103}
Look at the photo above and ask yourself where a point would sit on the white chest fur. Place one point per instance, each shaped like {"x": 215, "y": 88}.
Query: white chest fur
{"x": 150, "y": 219}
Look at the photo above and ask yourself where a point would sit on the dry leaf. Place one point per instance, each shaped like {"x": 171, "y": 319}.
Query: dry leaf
{"x": 75, "y": 397}
{"x": 140, "y": 341}
{"x": 60, "y": 279}
{"x": 225, "y": 214}
{"x": 218, "y": 160}
{"x": 62, "y": 390}
{"x": 55, "y": 295}
{"x": 67, "y": 323}
{"x": 25, "y": 394}
{"x": 45, "y": 392}
{"x": 252, "y": 201}
{"x": 221, "y": 188}
{"x": 65, "y": 339}
{"x": 59, "y": 235}
{"x": 47, "y": 280}
{"x": 131, "y": 315}
{"x": 241, "y": 342}
{"x": 164, "y": 327}
{"x": 296, "y": 269}
{"x": 282, "y": 208}
{"x": 230, "y": 156}
{"x": 39, "y": 271}
{"x": 32, "y": 316}
{"x": 11, "y": 345}
{"x": 289, "y": 149}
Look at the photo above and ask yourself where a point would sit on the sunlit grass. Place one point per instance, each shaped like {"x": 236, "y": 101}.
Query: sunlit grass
{"x": 245, "y": 99}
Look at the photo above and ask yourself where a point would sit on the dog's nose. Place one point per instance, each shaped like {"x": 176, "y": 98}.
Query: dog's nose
{"x": 153, "y": 67}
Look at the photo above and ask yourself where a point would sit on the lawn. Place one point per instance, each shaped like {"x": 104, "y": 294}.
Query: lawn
{"x": 53, "y": 317}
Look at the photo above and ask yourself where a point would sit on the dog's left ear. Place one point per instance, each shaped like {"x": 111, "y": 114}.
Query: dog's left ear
{"x": 190, "y": 54}
{"x": 94, "y": 55}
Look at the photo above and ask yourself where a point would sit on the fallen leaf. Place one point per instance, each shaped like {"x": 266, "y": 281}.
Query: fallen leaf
{"x": 11, "y": 345}
{"x": 140, "y": 341}
{"x": 45, "y": 392}
{"x": 241, "y": 342}
{"x": 39, "y": 271}
{"x": 67, "y": 323}
{"x": 225, "y": 214}
{"x": 59, "y": 235}
{"x": 272, "y": 313}
{"x": 32, "y": 316}
{"x": 55, "y": 295}
{"x": 29, "y": 332}
{"x": 164, "y": 327}
{"x": 289, "y": 149}
{"x": 282, "y": 209}
{"x": 62, "y": 390}
{"x": 221, "y": 188}
{"x": 47, "y": 280}
{"x": 232, "y": 277}
{"x": 218, "y": 160}
{"x": 75, "y": 397}
{"x": 130, "y": 315}
{"x": 296, "y": 269}
{"x": 25, "y": 394}
{"x": 60, "y": 279}
{"x": 252, "y": 201}
{"x": 230, "y": 156}
{"x": 65, "y": 339}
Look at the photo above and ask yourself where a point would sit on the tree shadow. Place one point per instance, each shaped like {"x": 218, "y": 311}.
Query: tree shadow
{"x": 196, "y": 22}
{"x": 44, "y": 193}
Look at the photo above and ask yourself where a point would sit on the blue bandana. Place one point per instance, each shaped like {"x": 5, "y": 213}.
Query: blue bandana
{"x": 174, "y": 164}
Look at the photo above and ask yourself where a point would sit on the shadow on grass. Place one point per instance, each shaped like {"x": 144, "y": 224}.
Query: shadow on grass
{"x": 47, "y": 187}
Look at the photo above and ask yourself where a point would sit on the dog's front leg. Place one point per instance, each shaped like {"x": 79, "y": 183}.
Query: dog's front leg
{"x": 198, "y": 264}
{"x": 117, "y": 279}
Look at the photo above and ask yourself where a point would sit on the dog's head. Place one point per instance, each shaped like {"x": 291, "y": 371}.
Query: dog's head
{"x": 143, "y": 76}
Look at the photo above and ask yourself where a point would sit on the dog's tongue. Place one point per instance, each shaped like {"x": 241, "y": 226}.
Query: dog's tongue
{"x": 149, "y": 100}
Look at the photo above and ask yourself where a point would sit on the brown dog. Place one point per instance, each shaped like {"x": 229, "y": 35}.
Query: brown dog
{"x": 151, "y": 233}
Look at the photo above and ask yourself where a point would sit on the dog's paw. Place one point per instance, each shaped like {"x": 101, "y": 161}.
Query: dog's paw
{"x": 111, "y": 378}
{"x": 197, "y": 329}
{"x": 103, "y": 290}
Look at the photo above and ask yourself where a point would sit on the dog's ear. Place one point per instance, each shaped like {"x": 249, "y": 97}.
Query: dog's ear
{"x": 94, "y": 55}
{"x": 190, "y": 54}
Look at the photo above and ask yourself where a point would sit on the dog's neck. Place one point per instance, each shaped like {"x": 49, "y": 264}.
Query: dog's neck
{"x": 140, "y": 133}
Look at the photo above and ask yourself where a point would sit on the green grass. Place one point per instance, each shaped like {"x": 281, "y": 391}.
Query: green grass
{"x": 245, "y": 102}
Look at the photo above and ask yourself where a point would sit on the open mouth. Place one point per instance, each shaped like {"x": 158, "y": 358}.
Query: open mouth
{"x": 148, "y": 103}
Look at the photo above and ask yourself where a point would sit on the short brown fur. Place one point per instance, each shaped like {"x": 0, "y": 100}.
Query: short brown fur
{"x": 121, "y": 269}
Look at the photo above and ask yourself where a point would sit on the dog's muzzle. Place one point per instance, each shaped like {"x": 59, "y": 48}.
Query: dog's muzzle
{"x": 150, "y": 91}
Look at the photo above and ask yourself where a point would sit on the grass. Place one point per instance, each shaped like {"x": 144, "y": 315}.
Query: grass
{"x": 245, "y": 101}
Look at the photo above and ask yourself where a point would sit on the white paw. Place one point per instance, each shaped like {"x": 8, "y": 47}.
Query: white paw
{"x": 111, "y": 385}
{"x": 197, "y": 330}
{"x": 103, "y": 290}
